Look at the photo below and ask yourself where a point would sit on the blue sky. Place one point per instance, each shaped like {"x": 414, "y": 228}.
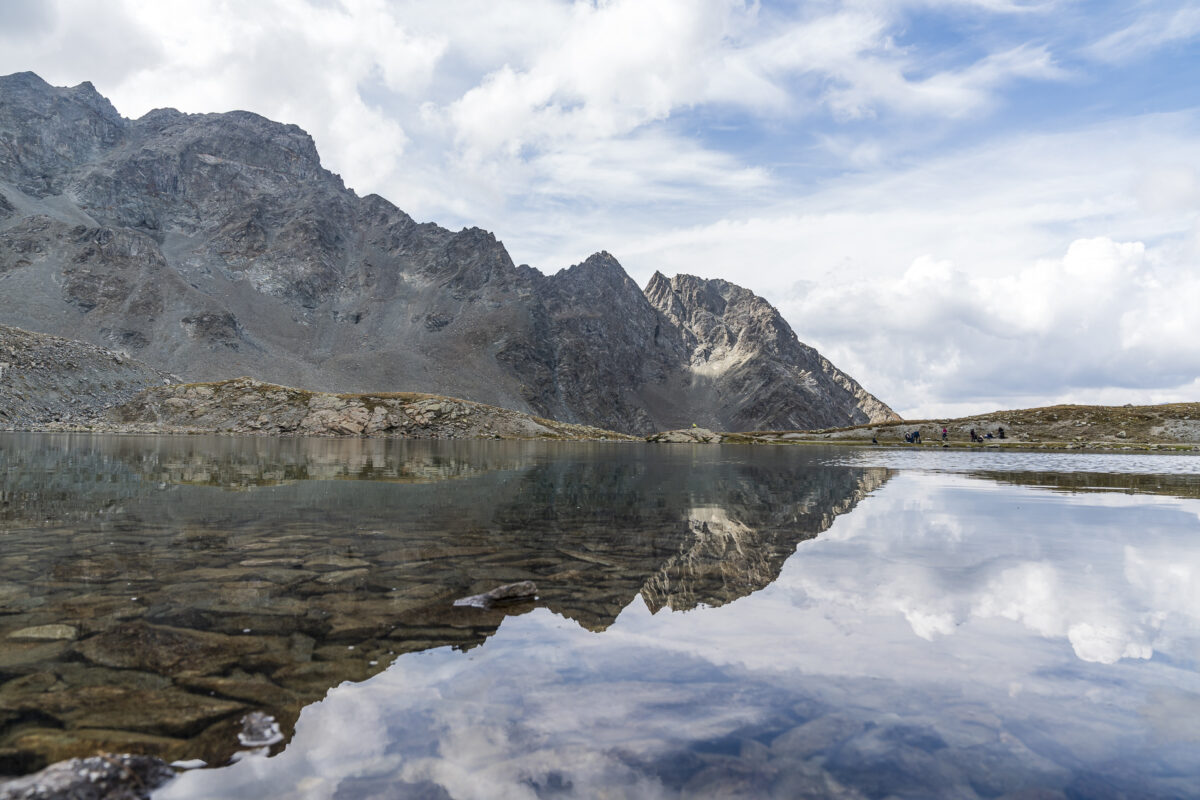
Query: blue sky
{"x": 967, "y": 204}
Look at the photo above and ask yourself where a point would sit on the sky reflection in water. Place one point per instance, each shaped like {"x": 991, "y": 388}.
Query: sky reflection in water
{"x": 949, "y": 637}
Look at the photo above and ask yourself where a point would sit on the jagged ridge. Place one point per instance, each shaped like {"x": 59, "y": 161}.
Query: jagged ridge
{"x": 213, "y": 245}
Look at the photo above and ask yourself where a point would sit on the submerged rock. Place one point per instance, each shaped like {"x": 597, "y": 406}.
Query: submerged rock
{"x": 33, "y": 748}
{"x": 102, "y": 777}
{"x": 508, "y": 593}
{"x": 164, "y": 712}
{"x": 167, "y": 650}
{"x": 259, "y": 730}
{"x": 45, "y": 633}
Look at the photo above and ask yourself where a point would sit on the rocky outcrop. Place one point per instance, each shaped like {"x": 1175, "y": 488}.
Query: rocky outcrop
{"x": 248, "y": 406}
{"x": 45, "y": 379}
{"x": 212, "y": 245}
{"x": 687, "y": 436}
{"x": 50, "y": 383}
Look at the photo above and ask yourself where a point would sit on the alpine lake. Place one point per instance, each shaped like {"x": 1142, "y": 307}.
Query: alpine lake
{"x": 277, "y": 617}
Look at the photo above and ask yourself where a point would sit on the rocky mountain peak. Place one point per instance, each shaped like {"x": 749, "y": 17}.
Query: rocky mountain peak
{"x": 603, "y": 261}
{"x": 717, "y": 315}
{"x": 158, "y": 118}
{"x": 661, "y": 295}
{"x": 598, "y": 268}
{"x": 212, "y": 245}
{"x": 657, "y": 284}
{"x": 27, "y": 92}
{"x": 600, "y": 278}
{"x": 45, "y": 131}
{"x": 736, "y": 338}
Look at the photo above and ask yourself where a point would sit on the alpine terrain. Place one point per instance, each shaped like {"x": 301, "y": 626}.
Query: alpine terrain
{"x": 215, "y": 245}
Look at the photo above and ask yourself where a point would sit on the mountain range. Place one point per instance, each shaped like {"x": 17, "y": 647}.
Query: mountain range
{"x": 216, "y": 245}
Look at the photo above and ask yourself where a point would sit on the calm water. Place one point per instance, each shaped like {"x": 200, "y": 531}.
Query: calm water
{"x": 711, "y": 621}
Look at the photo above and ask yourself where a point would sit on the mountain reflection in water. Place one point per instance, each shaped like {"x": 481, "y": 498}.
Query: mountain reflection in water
{"x": 987, "y": 625}
{"x": 951, "y": 637}
{"x": 154, "y": 590}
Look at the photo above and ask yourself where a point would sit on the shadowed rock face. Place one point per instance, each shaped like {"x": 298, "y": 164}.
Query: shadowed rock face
{"x": 154, "y": 591}
{"x": 759, "y": 375}
{"x": 213, "y": 245}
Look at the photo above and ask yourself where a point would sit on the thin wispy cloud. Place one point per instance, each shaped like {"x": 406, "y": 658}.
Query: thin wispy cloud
{"x": 1157, "y": 28}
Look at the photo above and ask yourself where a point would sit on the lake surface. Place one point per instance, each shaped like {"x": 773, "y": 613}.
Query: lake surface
{"x": 711, "y": 621}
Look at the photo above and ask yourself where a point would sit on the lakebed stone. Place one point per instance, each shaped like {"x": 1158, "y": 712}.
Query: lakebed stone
{"x": 170, "y": 651}
{"x": 40, "y": 633}
{"x": 169, "y": 712}
{"x": 48, "y": 745}
{"x": 29, "y": 656}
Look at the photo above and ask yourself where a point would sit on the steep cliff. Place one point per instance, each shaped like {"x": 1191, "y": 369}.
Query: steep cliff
{"x": 214, "y": 245}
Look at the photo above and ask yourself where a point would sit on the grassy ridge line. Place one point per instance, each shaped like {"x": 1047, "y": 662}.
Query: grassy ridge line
{"x": 1166, "y": 426}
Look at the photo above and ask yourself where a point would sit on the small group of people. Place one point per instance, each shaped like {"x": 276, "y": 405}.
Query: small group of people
{"x": 914, "y": 437}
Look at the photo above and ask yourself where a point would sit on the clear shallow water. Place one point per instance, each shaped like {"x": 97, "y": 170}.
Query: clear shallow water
{"x": 712, "y": 622}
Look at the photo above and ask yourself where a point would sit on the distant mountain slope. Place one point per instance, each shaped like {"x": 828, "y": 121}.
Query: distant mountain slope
{"x": 214, "y": 245}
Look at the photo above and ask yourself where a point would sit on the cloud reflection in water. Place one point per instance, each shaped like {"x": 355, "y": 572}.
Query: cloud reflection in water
{"x": 951, "y": 637}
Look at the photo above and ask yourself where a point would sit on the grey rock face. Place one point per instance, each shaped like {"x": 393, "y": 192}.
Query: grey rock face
{"x": 758, "y": 374}
{"x": 48, "y": 132}
{"x": 215, "y": 245}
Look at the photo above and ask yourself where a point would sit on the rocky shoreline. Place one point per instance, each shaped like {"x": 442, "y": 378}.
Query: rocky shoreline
{"x": 244, "y": 406}
{"x": 1166, "y": 427}
{"x": 48, "y": 383}
{"x": 247, "y": 406}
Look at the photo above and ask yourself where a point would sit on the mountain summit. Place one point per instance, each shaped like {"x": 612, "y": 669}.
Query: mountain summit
{"x": 213, "y": 245}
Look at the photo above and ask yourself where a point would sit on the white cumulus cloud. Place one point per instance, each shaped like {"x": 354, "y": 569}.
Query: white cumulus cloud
{"x": 806, "y": 151}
